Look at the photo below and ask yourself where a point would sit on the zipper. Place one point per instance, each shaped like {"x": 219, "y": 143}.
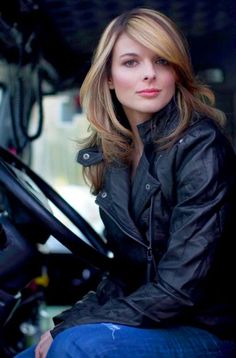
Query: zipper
{"x": 149, "y": 263}
{"x": 148, "y": 247}
{"x": 150, "y": 260}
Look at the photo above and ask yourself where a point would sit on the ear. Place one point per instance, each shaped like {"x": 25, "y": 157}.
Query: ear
{"x": 110, "y": 83}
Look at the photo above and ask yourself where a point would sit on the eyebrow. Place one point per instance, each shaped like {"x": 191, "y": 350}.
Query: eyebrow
{"x": 129, "y": 54}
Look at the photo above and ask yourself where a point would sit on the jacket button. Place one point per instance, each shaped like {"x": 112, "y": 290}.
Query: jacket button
{"x": 86, "y": 156}
{"x": 147, "y": 186}
{"x": 104, "y": 195}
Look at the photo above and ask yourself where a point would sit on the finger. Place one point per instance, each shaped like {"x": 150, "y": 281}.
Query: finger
{"x": 37, "y": 353}
{"x": 42, "y": 348}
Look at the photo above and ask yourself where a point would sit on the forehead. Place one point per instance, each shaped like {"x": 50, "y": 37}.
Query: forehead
{"x": 126, "y": 44}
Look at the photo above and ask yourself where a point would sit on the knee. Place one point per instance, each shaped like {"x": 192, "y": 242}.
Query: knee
{"x": 67, "y": 344}
{"x": 60, "y": 345}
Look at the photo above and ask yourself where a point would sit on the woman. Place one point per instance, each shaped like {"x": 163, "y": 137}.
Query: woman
{"x": 164, "y": 177}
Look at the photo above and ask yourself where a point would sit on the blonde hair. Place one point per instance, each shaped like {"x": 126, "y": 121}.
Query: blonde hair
{"x": 157, "y": 32}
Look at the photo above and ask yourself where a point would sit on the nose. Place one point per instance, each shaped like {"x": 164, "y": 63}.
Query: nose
{"x": 149, "y": 72}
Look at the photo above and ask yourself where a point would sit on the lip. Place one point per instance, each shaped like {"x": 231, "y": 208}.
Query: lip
{"x": 149, "y": 92}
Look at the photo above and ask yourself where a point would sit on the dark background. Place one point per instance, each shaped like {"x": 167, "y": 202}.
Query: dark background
{"x": 63, "y": 33}
{"x": 60, "y": 36}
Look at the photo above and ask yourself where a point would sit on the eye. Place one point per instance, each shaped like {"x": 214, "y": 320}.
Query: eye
{"x": 162, "y": 61}
{"x": 130, "y": 63}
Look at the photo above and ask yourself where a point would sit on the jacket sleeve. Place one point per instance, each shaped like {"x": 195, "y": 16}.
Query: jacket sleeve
{"x": 88, "y": 305}
{"x": 203, "y": 178}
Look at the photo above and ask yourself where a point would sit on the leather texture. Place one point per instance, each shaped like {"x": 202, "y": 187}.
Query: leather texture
{"x": 193, "y": 246}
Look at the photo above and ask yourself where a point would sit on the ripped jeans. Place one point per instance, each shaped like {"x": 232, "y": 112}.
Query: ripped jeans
{"x": 108, "y": 340}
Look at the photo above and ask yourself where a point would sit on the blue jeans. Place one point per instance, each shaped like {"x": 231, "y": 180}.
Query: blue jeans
{"x": 107, "y": 340}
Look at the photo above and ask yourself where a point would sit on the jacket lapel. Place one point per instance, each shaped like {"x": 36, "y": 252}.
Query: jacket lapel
{"x": 143, "y": 188}
{"x": 114, "y": 199}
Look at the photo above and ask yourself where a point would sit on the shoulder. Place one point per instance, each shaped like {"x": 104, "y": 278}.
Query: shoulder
{"x": 203, "y": 147}
{"x": 202, "y": 136}
{"x": 202, "y": 128}
{"x": 202, "y": 156}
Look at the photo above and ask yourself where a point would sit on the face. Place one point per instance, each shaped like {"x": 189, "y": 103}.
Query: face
{"x": 143, "y": 82}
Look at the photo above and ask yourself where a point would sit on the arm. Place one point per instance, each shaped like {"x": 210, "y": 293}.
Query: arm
{"x": 88, "y": 305}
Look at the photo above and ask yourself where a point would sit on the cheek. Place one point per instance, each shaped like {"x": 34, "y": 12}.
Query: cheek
{"x": 169, "y": 80}
{"x": 121, "y": 80}
{"x": 121, "y": 83}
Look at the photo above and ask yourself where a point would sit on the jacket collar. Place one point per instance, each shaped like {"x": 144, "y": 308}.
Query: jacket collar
{"x": 160, "y": 124}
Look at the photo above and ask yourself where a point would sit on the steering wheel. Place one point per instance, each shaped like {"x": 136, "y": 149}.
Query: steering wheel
{"x": 33, "y": 193}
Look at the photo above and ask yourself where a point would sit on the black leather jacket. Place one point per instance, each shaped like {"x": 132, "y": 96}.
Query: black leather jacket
{"x": 170, "y": 232}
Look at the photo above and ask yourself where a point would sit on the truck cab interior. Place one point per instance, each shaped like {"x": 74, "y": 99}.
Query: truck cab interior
{"x": 45, "y": 51}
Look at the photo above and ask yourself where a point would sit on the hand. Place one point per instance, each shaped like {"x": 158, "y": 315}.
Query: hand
{"x": 43, "y": 346}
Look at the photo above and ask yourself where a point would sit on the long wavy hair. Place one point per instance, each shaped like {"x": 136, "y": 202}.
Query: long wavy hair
{"x": 108, "y": 130}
